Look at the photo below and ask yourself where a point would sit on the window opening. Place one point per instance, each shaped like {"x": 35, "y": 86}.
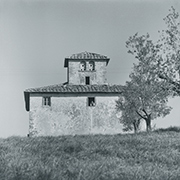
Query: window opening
{"x": 83, "y": 66}
{"x": 91, "y": 101}
{"x": 87, "y": 80}
{"x": 91, "y": 66}
{"x": 47, "y": 101}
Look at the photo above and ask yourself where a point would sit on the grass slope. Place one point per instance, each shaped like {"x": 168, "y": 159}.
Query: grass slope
{"x": 97, "y": 157}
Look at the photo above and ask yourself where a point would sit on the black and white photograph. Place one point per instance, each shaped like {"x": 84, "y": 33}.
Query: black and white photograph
{"x": 90, "y": 89}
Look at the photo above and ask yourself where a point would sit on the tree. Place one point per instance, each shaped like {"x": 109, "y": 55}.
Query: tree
{"x": 129, "y": 118}
{"x": 145, "y": 96}
{"x": 169, "y": 52}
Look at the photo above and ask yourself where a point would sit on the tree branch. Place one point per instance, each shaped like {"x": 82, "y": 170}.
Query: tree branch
{"x": 169, "y": 80}
{"x": 140, "y": 115}
{"x": 145, "y": 112}
{"x": 176, "y": 87}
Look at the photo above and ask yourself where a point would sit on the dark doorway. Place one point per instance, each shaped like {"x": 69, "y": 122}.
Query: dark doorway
{"x": 87, "y": 80}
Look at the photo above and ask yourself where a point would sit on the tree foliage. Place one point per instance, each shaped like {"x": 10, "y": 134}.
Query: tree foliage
{"x": 145, "y": 96}
{"x": 169, "y": 52}
{"x": 129, "y": 118}
{"x": 155, "y": 76}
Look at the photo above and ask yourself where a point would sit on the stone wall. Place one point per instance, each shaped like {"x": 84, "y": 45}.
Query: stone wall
{"x": 76, "y": 76}
{"x": 72, "y": 115}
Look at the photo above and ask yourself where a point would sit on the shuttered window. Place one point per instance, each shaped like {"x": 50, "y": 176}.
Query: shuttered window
{"x": 46, "y": 101}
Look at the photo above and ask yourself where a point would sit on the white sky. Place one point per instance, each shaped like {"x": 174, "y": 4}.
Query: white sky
{"x": 36, "y": 36}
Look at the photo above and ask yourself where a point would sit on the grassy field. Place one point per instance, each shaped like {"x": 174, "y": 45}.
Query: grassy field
{"x": 143, "y": 156}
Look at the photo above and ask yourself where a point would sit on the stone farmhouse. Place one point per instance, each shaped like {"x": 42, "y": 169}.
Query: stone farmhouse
{"x": 85, "y": 104}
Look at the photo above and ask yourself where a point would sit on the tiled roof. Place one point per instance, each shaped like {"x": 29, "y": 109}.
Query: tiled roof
{"x": 86, "y": 56}
{"x": 72, "y": 89}
{"x": 67, "y": 88}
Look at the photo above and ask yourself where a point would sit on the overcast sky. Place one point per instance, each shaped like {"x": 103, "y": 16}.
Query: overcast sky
{"x": 36, "y": 36}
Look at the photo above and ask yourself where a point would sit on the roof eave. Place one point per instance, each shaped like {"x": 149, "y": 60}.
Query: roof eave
{"x": 67, "y": 60}
{"x": 26, "y": 98}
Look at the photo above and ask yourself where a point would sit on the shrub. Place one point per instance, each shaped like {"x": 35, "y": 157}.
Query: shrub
{"x": 171, "y": 128}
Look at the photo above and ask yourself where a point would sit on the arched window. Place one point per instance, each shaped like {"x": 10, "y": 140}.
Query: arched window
{"x": 91, "y": 66}
{"x": 82, "y": 65}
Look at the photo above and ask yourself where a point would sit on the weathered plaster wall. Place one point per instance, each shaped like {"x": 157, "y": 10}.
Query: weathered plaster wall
{"x": 71, "y": 115}
{"x": 96, "y": 77}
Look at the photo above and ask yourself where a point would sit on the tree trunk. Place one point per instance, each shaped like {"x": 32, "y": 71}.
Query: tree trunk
{"x": 148, "y": 123}
{"x": 135, "y": 127}
{"x": 136, "y": 124}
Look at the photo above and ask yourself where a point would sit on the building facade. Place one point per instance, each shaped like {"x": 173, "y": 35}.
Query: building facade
{"x": 85, "y": 104}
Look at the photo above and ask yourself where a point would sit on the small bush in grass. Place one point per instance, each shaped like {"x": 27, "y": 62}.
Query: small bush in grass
{"x": 169, "y": 129}
{"x": 72, "y": 148}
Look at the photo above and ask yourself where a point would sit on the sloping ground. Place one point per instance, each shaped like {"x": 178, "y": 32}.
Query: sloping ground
{"x": 143, "y": 156}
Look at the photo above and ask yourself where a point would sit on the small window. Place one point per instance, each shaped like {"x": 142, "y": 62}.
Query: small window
{"x": 87, "y": 80}
{"x": 82, "y": 65}
{"x": 91, "y": 101}
{"x": 47, "y": 101}
{"x": 91, "y": 66}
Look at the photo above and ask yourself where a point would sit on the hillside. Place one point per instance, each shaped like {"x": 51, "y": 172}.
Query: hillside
{"x": 97, "y": 157}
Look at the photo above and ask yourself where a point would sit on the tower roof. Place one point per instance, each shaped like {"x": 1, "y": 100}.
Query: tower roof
{"x": 85, "y": 56}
